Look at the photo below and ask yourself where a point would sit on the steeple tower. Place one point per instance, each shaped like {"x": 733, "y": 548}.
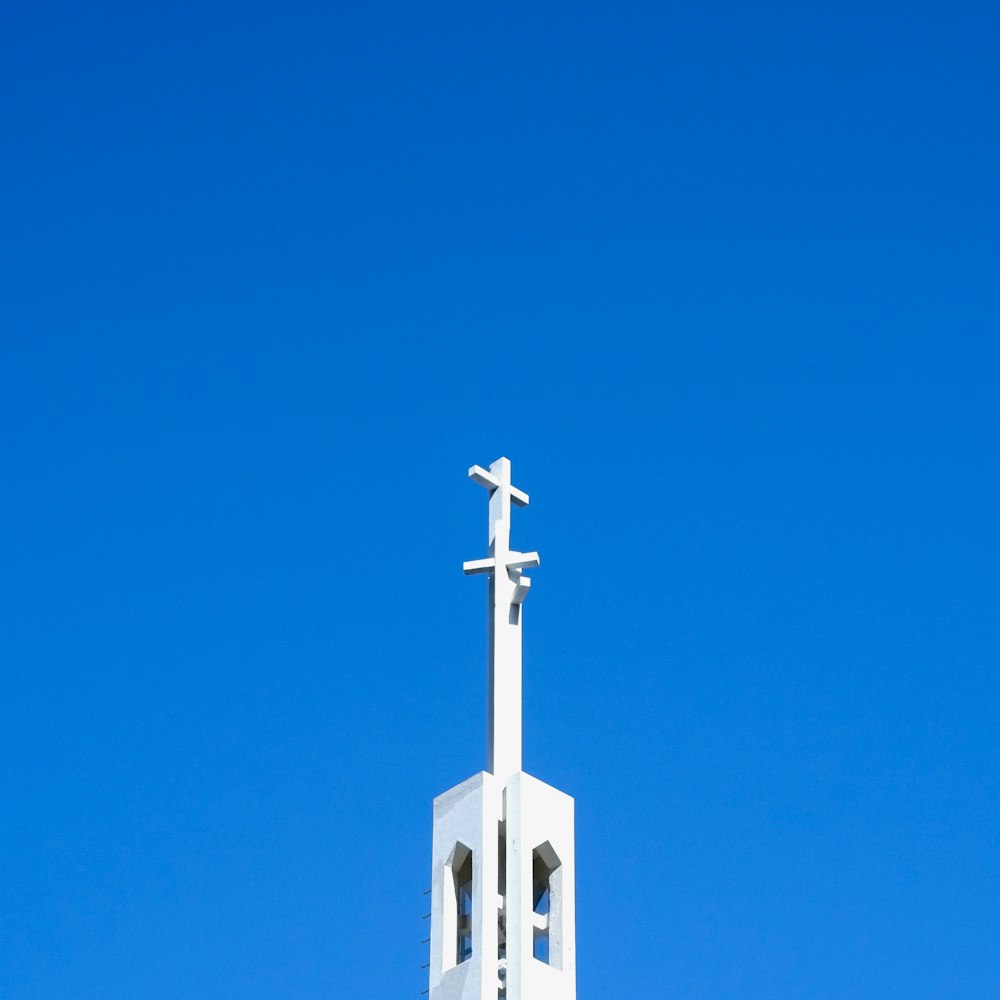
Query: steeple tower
{"x": 503, "y": 889}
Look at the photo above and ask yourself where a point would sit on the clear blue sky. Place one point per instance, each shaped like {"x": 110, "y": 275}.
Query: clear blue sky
{"x": 722, "y": 281}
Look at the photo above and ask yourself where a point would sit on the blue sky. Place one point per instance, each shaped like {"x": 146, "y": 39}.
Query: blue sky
{"x": 720, "y": 279}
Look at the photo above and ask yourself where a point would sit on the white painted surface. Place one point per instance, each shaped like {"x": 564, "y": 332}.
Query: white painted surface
{"x": 503, "y": 827}
{"x": 468, "y": 814}
{"x": 539, "y": 815}
{"x": 504, "y": 816}
{"x": 507, "y": 590}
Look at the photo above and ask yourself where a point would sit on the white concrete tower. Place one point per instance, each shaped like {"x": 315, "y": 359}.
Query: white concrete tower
{"x": 503, "y": 921}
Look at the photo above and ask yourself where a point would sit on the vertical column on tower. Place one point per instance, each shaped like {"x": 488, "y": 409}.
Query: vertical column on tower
{"x": 541, "y": 891}
{"x": 464, "y": 902}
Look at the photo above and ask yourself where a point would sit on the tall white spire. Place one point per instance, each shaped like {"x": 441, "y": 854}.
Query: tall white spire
{"x": 503, "y": 910}
{"x": 508, "y": 589}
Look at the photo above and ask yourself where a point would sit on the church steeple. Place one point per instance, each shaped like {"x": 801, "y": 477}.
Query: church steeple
{"x": 503, "y": 888}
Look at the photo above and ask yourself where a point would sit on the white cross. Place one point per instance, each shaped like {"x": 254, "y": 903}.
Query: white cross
{"x": 508, "y": 590}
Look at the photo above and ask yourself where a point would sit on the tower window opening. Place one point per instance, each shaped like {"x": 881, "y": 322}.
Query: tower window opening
{"x": 463, "y": 908}
{"x": 502, "y": 912}
{"x": 546, "y": 897}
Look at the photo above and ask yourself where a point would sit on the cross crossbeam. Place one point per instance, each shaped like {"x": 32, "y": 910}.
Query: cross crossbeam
{"x": 479, "y": 475}
{"x": 517, "y": 560}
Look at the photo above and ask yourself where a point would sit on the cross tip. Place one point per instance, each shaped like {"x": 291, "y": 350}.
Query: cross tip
{"x": 501, "y": 466}
{"x": 498, "y": 475}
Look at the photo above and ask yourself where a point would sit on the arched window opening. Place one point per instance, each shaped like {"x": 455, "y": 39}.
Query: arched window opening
{"x": 546, "y": 899}
{"x": 502, "y": 911}
{"x": 463, "y": 904}
{"x": 456, "y": 903}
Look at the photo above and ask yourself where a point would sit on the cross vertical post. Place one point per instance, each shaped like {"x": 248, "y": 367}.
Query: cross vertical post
{"x": 507, "y": 589}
